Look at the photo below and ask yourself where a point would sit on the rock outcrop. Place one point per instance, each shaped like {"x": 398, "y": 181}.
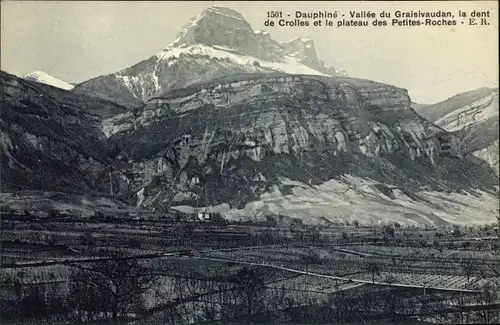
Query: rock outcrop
{"x": 219, "y": 26}
{"x": 473, "y": 116}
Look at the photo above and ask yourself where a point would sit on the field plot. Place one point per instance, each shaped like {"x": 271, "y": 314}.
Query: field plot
{"x": 37, "y": 275}
{"x": 285, "y": 254}
{"x": 313, "y": 284}
{"x": 427, "y": 280}
{"x": 424, "y": 253}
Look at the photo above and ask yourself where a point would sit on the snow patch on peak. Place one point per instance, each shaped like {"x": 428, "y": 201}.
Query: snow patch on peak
{"x": 287, "y": 65}
{"x": 45, "y": 78}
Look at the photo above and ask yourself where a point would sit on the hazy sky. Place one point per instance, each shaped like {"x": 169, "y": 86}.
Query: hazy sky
{"x": 76, "y": 41}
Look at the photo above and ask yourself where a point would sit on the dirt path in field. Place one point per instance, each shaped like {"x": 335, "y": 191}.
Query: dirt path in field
{"x": 400, "y": 285}
{"x": 76, "y": 260}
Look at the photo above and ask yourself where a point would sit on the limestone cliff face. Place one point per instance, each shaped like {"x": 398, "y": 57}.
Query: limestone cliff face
{"x": 51, "y": 139}
{"x": 249, "y": 146}
{"x": 490, "y": 155}
{"x": 473, "y": 116}
{"x": 230, "y": 140}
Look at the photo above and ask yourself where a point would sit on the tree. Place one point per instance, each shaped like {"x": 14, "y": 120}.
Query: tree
{"x": 498, "y": 222}
{"x": 437, "y": 245}
{"x": 86, "y": 298}
{"x": 314, "y": 235}
{"x": 87, "y": 238}
{"x": 116, "y": 285}
{"x": 312, "y": 257}
{"x": 488, "y": 295}
{"x": 457, "y": 232}
{"x": 390, "y": 231}
{"x": 373, "y": 268}
{"x": 469, "y": 268}
{"x": 251, "y": 286}
{"x": 392, "y": 295}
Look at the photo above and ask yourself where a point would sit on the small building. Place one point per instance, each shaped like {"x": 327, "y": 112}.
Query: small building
{"x": 203, "y": 216}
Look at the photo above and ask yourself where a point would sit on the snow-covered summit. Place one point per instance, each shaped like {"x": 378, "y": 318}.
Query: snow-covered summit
{"x": 288, "y": 64}
{"x": 225, "y": 29}
{"x": 45, "y": 78}
{"x": 215, "y": 43}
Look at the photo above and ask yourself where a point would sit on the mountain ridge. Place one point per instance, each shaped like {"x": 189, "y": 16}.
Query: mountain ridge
{"x": 52, "y": 139}
{"x": 238, "y": 142}
{"x": 250, "y": 146}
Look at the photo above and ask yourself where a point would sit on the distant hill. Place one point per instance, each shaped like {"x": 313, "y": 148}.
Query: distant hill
{"x": 45, "y": 78}
{"x": 418, "y": 107}
{"x": 473, "y": 115}
{"x": 52, "y": 139}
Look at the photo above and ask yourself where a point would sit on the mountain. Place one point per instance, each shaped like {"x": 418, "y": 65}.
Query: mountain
{"x": 311, "y": 147}
{"x": 473, "y": 115}
{"x": 45, "y": 78}
{"x": 216, "y": 43}
{"x": 226, "y": 119}
{"x": 52, "y": 139}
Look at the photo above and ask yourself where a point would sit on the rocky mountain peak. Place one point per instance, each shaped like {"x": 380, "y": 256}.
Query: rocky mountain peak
{"x": 220, "y": 26}
{"x": 303, "y": 49}
{"x": 227, "y": 29}
{"x": 298, "y": 45}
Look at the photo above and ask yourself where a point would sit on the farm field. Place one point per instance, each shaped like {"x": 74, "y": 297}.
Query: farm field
{"x": 427, "y": 253}
{"x": 427, "y": 280}
{"x": 206, "y": 268}
{"x": 313, "y": 284}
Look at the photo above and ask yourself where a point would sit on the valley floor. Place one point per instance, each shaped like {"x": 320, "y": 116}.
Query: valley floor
{"x": 202, "y": 271}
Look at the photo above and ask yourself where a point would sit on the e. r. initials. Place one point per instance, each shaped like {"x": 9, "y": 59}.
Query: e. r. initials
{"x": 476, "y": 17}
{"x": 482, "y": 22}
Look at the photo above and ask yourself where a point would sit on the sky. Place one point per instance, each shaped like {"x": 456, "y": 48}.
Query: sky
{"x": 79, "y": 40}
